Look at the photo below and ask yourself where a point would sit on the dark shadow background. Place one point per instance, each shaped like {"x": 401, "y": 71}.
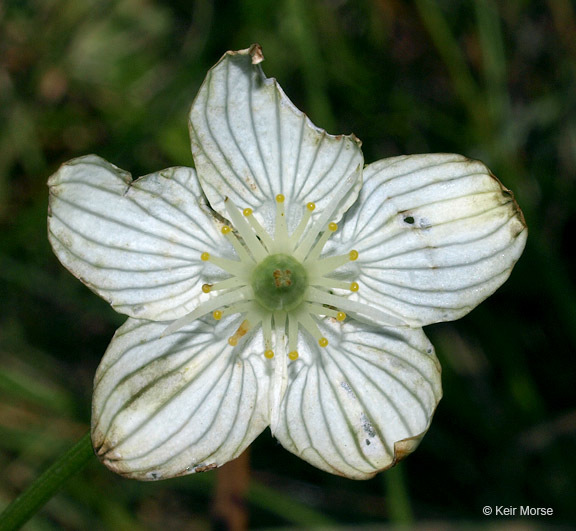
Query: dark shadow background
{"x": 487, "y": 79}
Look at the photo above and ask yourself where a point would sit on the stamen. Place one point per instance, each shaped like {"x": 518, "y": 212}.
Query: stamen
{"x": 207, "y": 307}
{"x": 327, "y": 282}
{"x": 324, "y": 310}
{"x": 233, "y": 267}
{"x": 238, "y": 247}
{"x": 217, "y": 314}
{"x": 321, "y": 222}
{"x": 319, "y": 245}
{"x": 309, "y": 324}
{"x": 267, "y": 331}
{"x": 354, "y": 286}
{"x": 353, "y": 254}
{"x": 206, "y": 288}
{"x": 281, "y": 240}
{"x": 258, "y": 229}
{"x": 296, "y": 235}
{"x": 240, "y": 333}
{"x": 323, "y": 342}
{"x": 292, "y": 332}
{"x": 357, "y": 308}
{"x": 293, "y": 355}
{"x": 327, "y": 265}
{"x": 239, "y": 307}
{"x": 251, "y": 241}
{"x": 269, "y": 354}
{"x": 229, "y": 283}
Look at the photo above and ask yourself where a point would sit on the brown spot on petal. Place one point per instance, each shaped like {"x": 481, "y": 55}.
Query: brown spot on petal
{"x": 205, "y": 468}
{"x": 251, "y": 184}
{"x": 508, "y": 197}
{"x": 255, "y": 52}
{"x": 405, "y": 447}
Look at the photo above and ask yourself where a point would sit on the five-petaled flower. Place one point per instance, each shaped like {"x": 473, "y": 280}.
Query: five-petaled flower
{"x": 280, "y": 284}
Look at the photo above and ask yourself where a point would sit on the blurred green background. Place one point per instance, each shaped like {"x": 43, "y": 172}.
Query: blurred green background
{"x": 491, "y": 80}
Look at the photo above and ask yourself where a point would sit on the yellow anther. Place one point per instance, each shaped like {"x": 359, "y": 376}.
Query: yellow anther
{"x": 310, "y": 206}
{"x": 241, "y": 332}
{"x": 354, "y": 286}
{"x": 206, "y": 288}
{"x": 269, "y": 354}
{"x": 280, "y": 198}
{"x": 333, "y": 226}
{"x": 205, "y": 257}
{"x": 225, "y": 229}
{"x": 353, "y": 255}
{"x": 340, "y": 316}
{"x": 247, "y": 212}
{"x": 293, "y": 355}
{"x": 323, "y": 342}
{"x": 217, "y": 314}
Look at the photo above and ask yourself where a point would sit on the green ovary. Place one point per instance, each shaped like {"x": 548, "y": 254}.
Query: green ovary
{"x": 279, "y": 283}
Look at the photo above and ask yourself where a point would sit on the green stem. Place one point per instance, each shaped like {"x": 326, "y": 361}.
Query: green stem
{"x": 397, "y": 497}
{"x": 47, "y": 485}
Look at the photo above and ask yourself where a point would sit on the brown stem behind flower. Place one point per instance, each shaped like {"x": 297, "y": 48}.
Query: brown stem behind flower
{"x": 229, "y": 508}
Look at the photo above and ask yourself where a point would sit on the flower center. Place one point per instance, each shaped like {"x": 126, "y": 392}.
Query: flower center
{"x": 279, "y": 282}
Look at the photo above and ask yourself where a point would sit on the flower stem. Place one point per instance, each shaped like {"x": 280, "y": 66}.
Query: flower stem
{"x": 47, "y": 485}
{"x": 398, "y": 499}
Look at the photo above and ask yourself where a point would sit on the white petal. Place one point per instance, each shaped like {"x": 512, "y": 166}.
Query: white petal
{"x": 137, "y": 244}
{"x": 436, "y": 234}
{"x": 361, "y": 404}
{"x": 251, "y": 143}
{"x": 179, "y": 404}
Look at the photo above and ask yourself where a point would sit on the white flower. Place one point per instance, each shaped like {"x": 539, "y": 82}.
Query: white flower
{"x": 250, "y": 307}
